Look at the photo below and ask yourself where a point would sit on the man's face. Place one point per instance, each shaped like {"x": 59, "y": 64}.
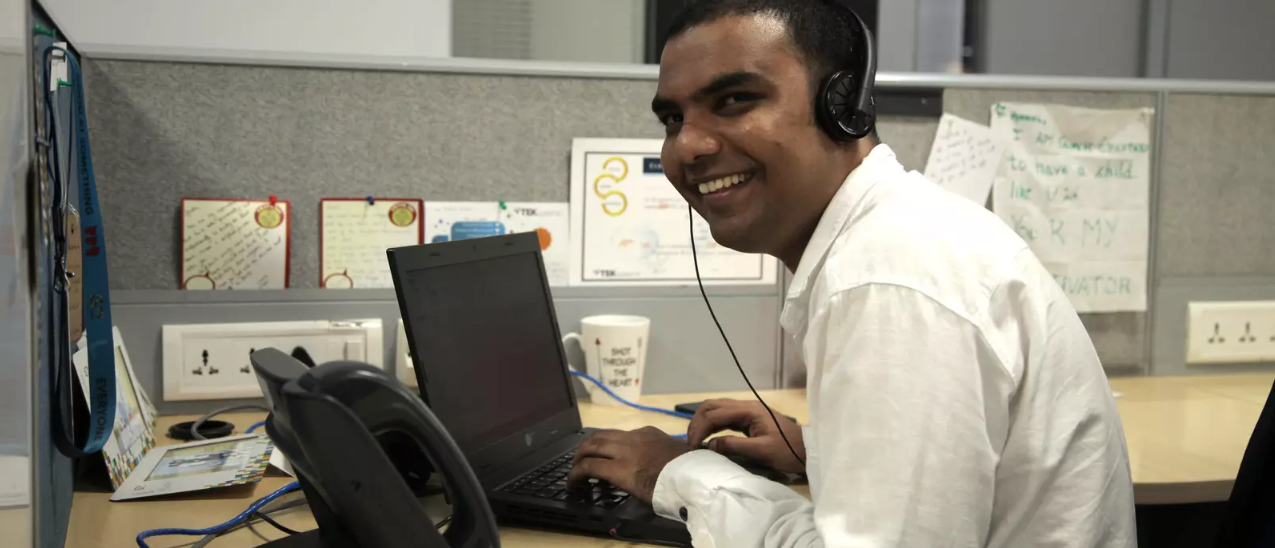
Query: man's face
{"x": 741, "y": 145}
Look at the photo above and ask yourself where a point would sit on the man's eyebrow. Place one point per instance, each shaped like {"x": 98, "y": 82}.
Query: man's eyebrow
{"x": 728, "y": 80}
{"x": 719, "y": 84}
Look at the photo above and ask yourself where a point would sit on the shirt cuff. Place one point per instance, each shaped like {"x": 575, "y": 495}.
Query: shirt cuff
{"x": 687, "y": 483}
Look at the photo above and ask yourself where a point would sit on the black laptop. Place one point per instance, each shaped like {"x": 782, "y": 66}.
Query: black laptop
{"x": 490, "y": 363}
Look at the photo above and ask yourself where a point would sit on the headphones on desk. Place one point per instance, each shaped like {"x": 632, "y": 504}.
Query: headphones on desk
{"x": 845, "y": 107}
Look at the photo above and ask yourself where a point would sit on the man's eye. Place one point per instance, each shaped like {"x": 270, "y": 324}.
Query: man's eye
{"x": 671, "y": 119}
{"x": 736, "y": 99}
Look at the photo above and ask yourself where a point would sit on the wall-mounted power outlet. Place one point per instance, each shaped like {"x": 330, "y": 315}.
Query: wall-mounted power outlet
{"x": 210, "y": 361}
{"x": 1231, "y": 332}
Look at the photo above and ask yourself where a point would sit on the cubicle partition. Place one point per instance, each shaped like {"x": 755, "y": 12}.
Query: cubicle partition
{"x": 167, "y": 126}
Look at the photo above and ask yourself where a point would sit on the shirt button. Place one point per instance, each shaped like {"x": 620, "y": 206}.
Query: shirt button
{"x": 682, "y": 513}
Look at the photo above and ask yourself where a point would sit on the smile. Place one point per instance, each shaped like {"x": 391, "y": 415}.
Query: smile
{"x": 723, "y": 183}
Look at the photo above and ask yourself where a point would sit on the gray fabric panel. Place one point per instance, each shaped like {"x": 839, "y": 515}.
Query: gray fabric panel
{"x": 163, "y": 131}
{"x": 1217, "y": 189}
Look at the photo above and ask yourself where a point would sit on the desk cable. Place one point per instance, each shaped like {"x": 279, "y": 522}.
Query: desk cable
{"x": 222, "y": 528}
{"x": 637, "y": 406}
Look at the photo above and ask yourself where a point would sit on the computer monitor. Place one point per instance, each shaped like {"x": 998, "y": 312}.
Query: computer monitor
{"x": 485, "y": 340}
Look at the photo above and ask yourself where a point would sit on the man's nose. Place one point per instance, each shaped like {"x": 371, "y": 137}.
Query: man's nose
{"x": 693, "y": 144}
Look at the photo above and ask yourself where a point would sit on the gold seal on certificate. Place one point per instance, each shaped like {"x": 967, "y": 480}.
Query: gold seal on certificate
{"x": 402, "y": 214}
{"x": 269, "y": 216}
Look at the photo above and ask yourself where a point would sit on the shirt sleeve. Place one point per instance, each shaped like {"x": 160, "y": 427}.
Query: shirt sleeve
{"x": 908, "y": 414}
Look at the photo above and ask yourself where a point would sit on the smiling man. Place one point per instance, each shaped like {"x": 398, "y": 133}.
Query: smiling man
{"x": 955, "y": 399}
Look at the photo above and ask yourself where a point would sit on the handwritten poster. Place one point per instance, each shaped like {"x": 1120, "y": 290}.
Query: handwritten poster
{"x": 446, "y": 221}
{"x": 629, "y": 226}
{"x": 354, "y": 234}
{"x": 235, "y": 244}
{"x": 965, "y": 157}
{"x": 1075, "y": 184}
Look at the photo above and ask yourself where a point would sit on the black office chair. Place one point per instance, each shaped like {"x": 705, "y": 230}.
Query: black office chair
{"x": 1250, "y": 512}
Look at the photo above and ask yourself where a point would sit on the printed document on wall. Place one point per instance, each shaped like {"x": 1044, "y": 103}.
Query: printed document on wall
{"x": 1075, "y": 184}
{"x": 354, "y": 234}
{"x": 630, "y": 226}
{"x": 235, "y": 244}
{"x": 965, "y": 157}
{"x": 446, "y": 221}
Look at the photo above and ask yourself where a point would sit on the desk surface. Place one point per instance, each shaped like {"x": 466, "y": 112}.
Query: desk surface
{"x": 1186, "y": 437}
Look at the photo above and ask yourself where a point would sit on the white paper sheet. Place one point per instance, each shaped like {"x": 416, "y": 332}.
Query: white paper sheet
{"x": 15, "y": 481}
{"x": 445, "y": 221}
{"x": 629, "y": 226}
{"x": 964, "y": 157}
{"x": 198, "y": 465}
{"x": 1075, "y": 184}
{"x": 551, "y": 221}
{"x": 235, "y": 244}
{"x": 355, "y": 235}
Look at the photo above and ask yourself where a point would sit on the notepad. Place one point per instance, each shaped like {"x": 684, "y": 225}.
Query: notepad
{"x": 354, "y": 234}
{"x": 965, "y": 157}
{"x": 235, "y": 244}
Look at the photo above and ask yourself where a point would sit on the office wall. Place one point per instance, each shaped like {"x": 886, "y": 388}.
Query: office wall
{"x": 1075, "y": 38}
{"x": 419, "y": 28}
{"x": 1221, "y": 39}
{"x": 163, "y": 130}
{"x": 1216, "y": 236}
{"x": 166, "y": 130}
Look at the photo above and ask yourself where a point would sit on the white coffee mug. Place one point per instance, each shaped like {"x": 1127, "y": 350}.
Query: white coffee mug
{"x": 614, "y": 353}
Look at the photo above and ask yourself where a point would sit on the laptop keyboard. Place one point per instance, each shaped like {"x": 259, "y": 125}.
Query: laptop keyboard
{"x": 550, "y": 482}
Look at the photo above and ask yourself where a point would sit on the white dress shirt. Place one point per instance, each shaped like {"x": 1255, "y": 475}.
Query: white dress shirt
{"x": 955, "y": 399}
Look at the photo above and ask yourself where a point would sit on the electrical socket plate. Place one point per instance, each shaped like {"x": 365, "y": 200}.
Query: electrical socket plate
{"x": 210, "y": 361}
{"x": 1231, "y": 332}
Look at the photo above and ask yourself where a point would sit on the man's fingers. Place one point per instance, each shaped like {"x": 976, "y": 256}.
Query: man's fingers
{"x": 735, "y": 416}
{"x": 605, "y": 469}
{"x": 753, "y": 448}
{"x": 597, "y": 446}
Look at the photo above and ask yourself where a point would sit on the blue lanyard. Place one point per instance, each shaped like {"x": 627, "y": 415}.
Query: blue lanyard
{"x": 96, "y": 295}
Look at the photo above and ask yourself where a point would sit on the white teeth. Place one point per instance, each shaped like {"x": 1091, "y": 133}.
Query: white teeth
{"x": 718, "y": 184}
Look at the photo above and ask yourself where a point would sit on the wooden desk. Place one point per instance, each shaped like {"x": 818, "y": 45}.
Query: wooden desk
{"x": 96, "y": 522}
{"x": 1187, "y": 434}
{"x": 1186, "y": 437}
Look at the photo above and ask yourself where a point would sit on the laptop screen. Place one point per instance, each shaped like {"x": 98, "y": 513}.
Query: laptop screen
{"x": 485, "y": 333}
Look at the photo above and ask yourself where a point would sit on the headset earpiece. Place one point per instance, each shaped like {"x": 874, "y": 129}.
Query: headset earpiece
{"x": 844, "y": 104}
{"x": 839, "y": 114}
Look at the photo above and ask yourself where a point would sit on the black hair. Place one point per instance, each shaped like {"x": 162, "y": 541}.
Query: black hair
{"x": 827, "y": 36}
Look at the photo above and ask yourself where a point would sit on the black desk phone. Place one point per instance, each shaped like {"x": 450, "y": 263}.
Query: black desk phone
{"x": 334, "y": 423}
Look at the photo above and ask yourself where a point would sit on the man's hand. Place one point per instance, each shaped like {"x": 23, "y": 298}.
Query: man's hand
{"x": 763, "y": 442}
{"x": 631, "y": 461}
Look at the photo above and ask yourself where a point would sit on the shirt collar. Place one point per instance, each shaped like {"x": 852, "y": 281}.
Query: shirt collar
{"x": 844, "y": 206}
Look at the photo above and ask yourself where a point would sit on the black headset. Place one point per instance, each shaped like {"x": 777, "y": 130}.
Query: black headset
{"x": 845, "y": 106}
